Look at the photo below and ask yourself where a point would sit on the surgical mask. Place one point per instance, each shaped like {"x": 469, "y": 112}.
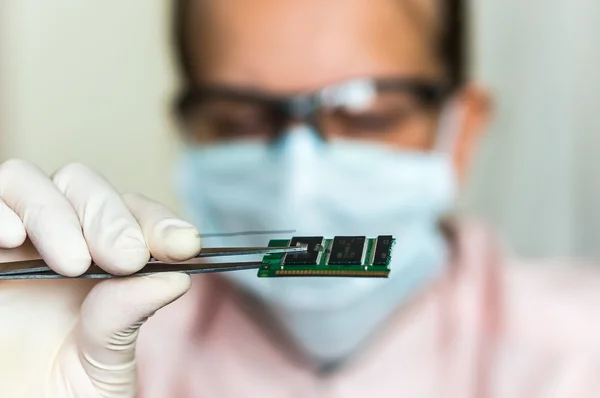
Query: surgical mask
{"x": 332, "y": 189}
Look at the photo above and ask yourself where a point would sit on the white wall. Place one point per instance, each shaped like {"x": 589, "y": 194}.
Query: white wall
{"x": 90, "y": 81}
{"x": 539, "y": 175}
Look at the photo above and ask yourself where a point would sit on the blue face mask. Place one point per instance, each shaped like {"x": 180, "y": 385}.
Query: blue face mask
{"x": 340, "y": 188}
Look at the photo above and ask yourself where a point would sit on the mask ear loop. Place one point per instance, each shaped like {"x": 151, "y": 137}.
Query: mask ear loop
{"x": 446, "y": 143}
{"x": 449, "y": 128}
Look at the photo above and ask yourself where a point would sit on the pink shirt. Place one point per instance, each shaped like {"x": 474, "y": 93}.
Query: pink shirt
{"x": 492, "y": 327}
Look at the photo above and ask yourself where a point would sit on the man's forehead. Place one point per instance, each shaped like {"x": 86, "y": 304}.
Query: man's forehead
{"x": 245, "y": 35}
{"x": 427, "y": 12}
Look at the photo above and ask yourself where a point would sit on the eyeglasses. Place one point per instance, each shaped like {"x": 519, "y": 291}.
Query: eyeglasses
{"x": 358, "y": 109}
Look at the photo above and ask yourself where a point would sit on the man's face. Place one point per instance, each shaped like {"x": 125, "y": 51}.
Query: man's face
{"x": 295, "y": 46}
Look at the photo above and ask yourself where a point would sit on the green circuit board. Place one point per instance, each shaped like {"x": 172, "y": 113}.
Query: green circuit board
{"x": 341, "y": 256}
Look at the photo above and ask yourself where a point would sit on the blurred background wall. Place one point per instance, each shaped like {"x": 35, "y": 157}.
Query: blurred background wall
{"x": 91, "y": 82}
{"x": 539, "y": 174}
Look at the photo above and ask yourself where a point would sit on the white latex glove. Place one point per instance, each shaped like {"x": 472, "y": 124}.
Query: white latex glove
{"x": 75, "y": 337}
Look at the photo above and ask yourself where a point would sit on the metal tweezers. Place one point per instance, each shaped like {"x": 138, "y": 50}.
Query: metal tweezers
{"x": 38, "y": 269}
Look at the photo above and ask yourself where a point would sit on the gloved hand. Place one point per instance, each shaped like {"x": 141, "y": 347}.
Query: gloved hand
{"x": 75, "y": 337}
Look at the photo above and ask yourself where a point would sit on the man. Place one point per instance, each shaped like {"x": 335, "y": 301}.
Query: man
{"x": 329, "y": 117}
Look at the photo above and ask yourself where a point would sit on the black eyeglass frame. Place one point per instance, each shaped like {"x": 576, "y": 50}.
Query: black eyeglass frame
{"x": 303, "y": 106}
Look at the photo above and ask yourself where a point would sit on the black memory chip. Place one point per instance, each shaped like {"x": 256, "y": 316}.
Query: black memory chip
{"x": 383, "y": 249}
{"x": 347, "y": 250}
{"x": 309, "y": 257}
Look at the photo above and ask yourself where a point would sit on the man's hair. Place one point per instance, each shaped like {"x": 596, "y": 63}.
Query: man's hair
{"x": 453, "y": 46}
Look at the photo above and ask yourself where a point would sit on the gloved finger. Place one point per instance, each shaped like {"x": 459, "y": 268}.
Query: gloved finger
{"x": 12, "y": 230}
{"x": 113, "y": 235}
{"x": 110, "y": 319}
{"x": 169, "y": 238}
{"x": 48, "y": 217}
{"x": 22, "y": 253}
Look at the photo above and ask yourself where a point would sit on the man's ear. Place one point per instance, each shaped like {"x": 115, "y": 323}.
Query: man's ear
{"x": 474, "y": 104}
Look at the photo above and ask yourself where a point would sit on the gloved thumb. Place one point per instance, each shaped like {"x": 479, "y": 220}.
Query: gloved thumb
{"x": 110, "y": 318}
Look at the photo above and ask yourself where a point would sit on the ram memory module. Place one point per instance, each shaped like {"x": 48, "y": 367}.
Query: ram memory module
{"x": 341, "y": 256}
